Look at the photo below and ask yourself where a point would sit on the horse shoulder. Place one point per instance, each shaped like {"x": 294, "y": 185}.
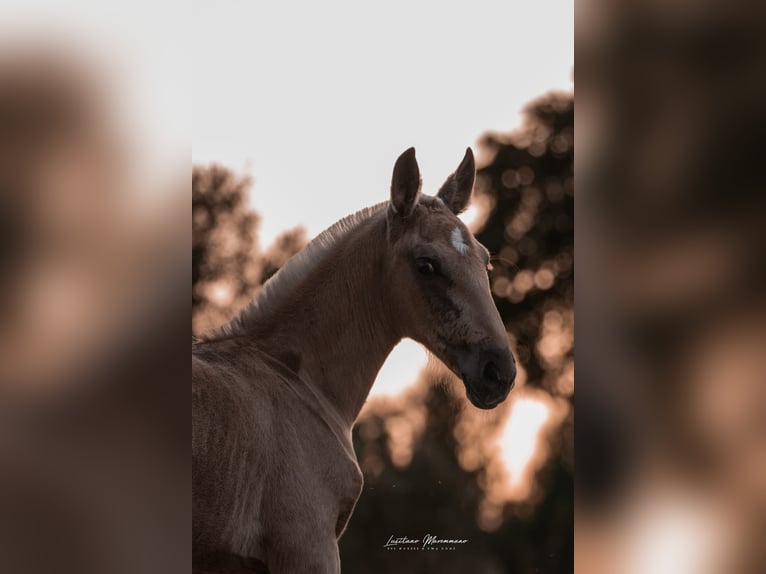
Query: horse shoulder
{"x": 317, "y": 476}
{"x": 350, "y": 491}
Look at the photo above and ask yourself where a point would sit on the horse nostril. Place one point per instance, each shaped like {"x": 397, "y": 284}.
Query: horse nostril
{"x": 490, "y": 372}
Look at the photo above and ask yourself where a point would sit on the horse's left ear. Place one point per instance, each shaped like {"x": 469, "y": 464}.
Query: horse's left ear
{"x": 405, "y": 184}
{"x": 456, "y": 191}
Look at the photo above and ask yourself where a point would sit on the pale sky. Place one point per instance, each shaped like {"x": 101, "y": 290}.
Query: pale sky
{"x": 315, "y": 100}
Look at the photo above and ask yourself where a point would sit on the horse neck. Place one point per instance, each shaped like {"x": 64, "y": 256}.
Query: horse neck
{"x": 337, "y": 330}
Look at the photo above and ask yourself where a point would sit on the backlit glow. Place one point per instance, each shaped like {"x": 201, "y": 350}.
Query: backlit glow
{"x": 401, "y": 369}
{"x": 519, "y": 440}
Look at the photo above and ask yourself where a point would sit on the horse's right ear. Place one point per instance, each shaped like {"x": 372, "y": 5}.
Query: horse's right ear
{"x": 405, "y": 184}
{"x": 456, "y": 191}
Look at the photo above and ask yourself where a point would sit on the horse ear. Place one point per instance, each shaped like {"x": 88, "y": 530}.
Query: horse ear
{"x": 456, "y": 191}
{"x": 405, "y": 184}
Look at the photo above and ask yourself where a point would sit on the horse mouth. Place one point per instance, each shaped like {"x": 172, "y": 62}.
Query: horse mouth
{"x": 486, "y": 403}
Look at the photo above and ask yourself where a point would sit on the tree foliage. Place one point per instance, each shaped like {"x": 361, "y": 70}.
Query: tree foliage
{"x": 227, "y": 265}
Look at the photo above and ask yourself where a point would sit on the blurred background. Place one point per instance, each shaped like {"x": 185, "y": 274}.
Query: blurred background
{"x": 671, "y": 431}
{"x": 314, "y": 113}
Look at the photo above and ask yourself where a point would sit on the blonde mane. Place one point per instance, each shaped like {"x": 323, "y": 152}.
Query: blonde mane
{"x": 279, "y": 286}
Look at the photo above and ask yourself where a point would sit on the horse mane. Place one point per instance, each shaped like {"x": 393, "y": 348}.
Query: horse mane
{"x": 279, "y": 287}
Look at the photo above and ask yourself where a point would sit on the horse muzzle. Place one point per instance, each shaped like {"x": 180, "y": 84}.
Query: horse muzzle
{"x": 488, "y": 373}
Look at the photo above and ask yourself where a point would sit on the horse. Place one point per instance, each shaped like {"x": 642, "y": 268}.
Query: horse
{"x": 276, "y": 391}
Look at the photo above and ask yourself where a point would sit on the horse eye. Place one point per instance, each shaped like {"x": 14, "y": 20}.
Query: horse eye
{"x": 425, "y": 266}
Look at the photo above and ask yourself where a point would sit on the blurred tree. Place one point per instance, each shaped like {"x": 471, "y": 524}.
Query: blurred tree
{"x": 431, "y": 494}
{"x": 285, "y": 246}
{"x": 529, "y": 184}
{"x": 227, "y": 266}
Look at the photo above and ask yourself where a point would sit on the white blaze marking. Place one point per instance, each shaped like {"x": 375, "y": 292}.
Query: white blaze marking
{"x": 458, "y": 242}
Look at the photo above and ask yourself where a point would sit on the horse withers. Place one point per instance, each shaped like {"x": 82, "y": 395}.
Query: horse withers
{"x": 276, "y": 391}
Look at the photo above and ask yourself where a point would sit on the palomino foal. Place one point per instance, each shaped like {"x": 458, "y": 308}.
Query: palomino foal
{"x": 276, "y": 391}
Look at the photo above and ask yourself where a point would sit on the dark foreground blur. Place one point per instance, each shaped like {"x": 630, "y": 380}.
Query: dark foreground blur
{"x": 94, "y": 414}
{"x": 671, "y": 431}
